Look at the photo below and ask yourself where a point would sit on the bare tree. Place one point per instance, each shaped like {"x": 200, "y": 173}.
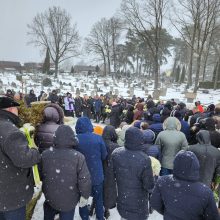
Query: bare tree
{"x": 144, "y": 16}
{"x": 94, "y": 44}
{"x": 100, "y": 41}
{"x": 196, "y": 23}
{"x": 52, "y": 29}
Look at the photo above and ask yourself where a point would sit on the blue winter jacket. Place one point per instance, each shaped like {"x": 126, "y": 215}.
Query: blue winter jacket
{"x": 180, "y": 196}
{"x": 97, "y": 105}
{"x": 185, "y": 128}
{"x": 157, "y": 125}
{"x": 92, "y": 147}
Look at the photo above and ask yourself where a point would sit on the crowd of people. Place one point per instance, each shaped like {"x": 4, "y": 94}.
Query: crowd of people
{"x": 152, "y": 155}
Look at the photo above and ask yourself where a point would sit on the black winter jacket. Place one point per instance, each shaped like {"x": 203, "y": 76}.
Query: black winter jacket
{"x": 208, "y": 156}
{"x": 16, "y": 179}
{"x": 65, "y": 174}
{"x": 133, "y": 172}
{"x": 115, "y": 115}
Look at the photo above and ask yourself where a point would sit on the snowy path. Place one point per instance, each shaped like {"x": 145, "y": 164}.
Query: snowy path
{"x": 38, "y": 213}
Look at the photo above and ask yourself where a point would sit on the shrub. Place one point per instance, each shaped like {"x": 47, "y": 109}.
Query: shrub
{"x": 19, "y": 78}
{"x": 47, "y": 82}
{"x": 208, "y": 85}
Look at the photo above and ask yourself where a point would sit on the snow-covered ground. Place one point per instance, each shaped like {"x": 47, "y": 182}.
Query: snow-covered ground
{"x": 87, "y": 85}
{"x": 38, "y": 213}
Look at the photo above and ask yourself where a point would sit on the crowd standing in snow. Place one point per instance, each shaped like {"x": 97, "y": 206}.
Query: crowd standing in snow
{"x": 152, "y": 156}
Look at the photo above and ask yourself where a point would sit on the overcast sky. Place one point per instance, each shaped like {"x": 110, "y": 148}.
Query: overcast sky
{"x": 16, "y": 14}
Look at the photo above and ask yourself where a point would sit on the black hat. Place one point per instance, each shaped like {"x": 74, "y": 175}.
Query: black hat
{"x": 7, "y": 102}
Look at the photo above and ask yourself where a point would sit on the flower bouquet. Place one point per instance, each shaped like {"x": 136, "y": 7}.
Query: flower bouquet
{"x": 28, "y": 131}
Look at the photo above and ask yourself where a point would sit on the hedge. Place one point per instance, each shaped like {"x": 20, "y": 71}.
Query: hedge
{"x": 208, "y": 85}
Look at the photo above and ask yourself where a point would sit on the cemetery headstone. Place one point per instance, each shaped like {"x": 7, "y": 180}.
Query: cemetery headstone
{"x": 163, "y": 91}
{"x": 77, "y": 91}
{"x": 205, "y": 91}
{"x": 131, "y": 91}
{"x": 190, "y": 96}
{"x": 116, "y": 92}
{"x": 72, "y": 88}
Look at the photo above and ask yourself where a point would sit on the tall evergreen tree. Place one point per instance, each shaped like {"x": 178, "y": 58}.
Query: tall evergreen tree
{"x": 46, "y": 65}
{"x": 72, "y": 70}
{"x": 97, "y": 69}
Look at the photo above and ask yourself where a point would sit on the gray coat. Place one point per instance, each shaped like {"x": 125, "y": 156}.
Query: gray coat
{"x": 16, "y": 179}
{"x": 65, "y": 174}
{"x": 208, "y": 156}
{"x": 171, "y": 141}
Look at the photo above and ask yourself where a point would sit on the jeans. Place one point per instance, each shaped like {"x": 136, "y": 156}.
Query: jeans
{"x": 165, "y": 171}
{"x": 97, "y": 193}
{"x": 17, "y": 214}
{"x": 49, "y": 213}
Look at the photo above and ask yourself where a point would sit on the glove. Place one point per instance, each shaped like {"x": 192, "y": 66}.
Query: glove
{"x": 83, "y": 202}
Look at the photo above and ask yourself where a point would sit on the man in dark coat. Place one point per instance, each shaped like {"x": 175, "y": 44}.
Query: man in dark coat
{"x": 53, "y": 117}
{"x": 65, "y": 175}
{"x": 87, "y": 107}
{"x": 40, "y": 96}
{"x": 30, "y": 98}
{"x": 129, "y": 114}
{"x": 78, "y": 106}
{"x": 110, "y": 138}
{"x": 53, "y": 97}
{"x": 208, "y": 156}
{"x": 97, "y": 104}
{"x": 134, "y": 177}
{"x": 93, "y": 148}
{"x": 17, "y": 159}
{"x": 181, "y": 196}
{"x": 115, "y": 114}
{"x": 210, "y": 125}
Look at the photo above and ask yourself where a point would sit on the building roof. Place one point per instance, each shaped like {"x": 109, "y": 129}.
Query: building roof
{"x": 10, "y": 64}
{"x": 79, "y": 68}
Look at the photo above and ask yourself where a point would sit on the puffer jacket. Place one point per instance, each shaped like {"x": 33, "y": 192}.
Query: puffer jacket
{"x": 17, "y": 159}
{"x": 208, "y": 156}
{"x": 181, "y": 196}
{"x": 133, "y": 172}
{"x": 53, "y": 117}
{"x": 171, "y": 141}
{"x": 65, "y": 175}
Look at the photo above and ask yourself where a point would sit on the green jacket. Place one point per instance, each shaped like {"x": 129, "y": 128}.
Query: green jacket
{"x": 171, "y": 141}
